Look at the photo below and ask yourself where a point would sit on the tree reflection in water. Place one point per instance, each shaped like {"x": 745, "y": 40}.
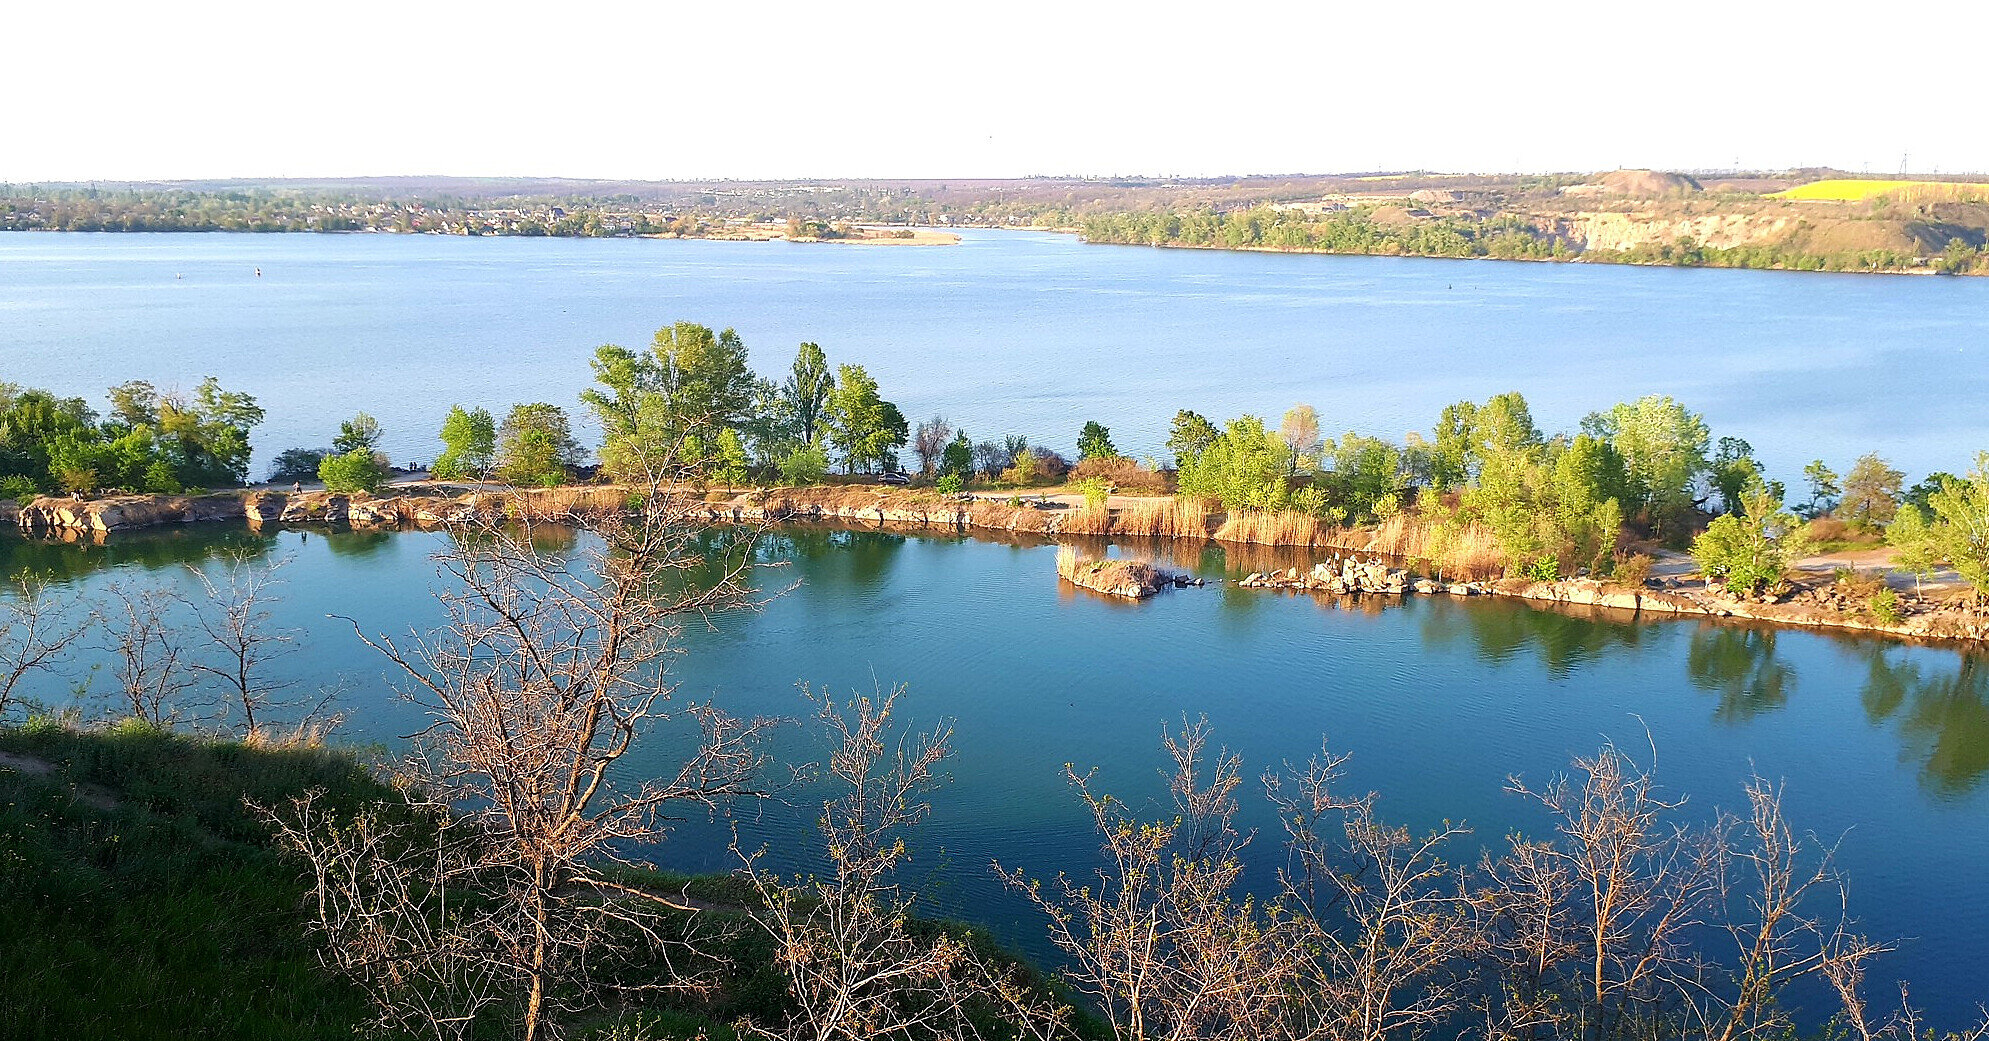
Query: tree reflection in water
{"x": 1943, "y": 717}
{"x": 1501, "y": 630}
{"x": 1739, "y": 665}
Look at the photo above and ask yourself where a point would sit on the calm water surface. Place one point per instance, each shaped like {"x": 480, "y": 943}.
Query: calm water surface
{"x": 1438, "y": 701}
{"x": 1009, "y": 331}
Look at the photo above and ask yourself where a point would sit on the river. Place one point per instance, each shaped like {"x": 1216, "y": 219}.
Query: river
{"x": 1439, "y": 701}
{"x": 1030, "y": 333}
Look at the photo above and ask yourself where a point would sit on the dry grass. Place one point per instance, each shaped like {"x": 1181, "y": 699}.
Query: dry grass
{"x": 1124, "y": 475}
{"x": 1179, "y": 518}
{"x": 1088, "y": 520}
{"x": 1468, "y": 552}
{"x": 1119, "y": 577}
{"x": 1274, "y": 528}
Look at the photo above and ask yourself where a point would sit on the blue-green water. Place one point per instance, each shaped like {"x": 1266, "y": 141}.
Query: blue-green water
{"x": 1439, "y": 701}
{"x": 1009, "y": 332}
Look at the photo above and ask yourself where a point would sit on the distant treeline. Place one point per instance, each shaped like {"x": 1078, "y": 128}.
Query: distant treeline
{"x": 1394, "y": 231}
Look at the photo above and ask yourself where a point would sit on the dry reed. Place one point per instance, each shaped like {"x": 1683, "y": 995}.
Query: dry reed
{"x": 1179, "y": 518}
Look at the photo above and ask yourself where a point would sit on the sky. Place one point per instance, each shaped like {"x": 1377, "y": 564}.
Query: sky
{"x": 736, "y": 88}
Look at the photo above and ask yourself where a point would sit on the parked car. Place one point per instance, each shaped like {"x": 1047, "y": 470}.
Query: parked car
{"x": 888, "y": 478}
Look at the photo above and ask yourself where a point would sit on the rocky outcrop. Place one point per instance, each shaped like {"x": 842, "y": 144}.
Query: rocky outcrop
{"x": 125, "y": 512}
{"x": 1346, "y": 575}
{"x": 1132, "y": 579}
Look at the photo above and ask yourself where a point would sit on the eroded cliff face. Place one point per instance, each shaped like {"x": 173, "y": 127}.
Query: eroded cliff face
{"x": 1623, "y": 231}
{"x": 123, "y": 512}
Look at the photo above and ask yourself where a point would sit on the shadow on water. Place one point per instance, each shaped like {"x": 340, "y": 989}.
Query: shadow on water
{"x": 1943, "y": 717}
{"x": 838, "y": 558}
{"x": 1500, "y": 631}
{"x": 1739, "y": 665}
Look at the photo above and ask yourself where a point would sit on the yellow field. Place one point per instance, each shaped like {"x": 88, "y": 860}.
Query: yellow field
{"x": 1855, "y": 190}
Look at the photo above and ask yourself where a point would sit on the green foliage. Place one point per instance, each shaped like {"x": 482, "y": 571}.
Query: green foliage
{"x": 1750, "y": 551}
{"x": 1095, "y": 492}
{"x": 469, "y": 445}
{"x": 729, "y": 464}
{"x": 1365, "y": 471}
{"x": 1884, "y": 606}
{"x": 150, "y": 443}
{"x": 1558, "y": 500}
{"x": 1732, "y": 469}
{"x": 957, "y": 460}
{"x": 806, "y": 464}
{"x": 156, "y": 907}
{"x": 807, "y": 391}
{"x": 1095, "y": 442}
{"x": 1823, "y": 489}
{"x": 1663, "y": 446}
{"x": 296, "y": 464}
{"x": 1872, "y": 492}
{"x": 691, "y": 383}
{"x": 950, "y": 484}
{"x": 1242, "y": 467}
{"x": 1912, "y": 541}
{"x": 1960, "y": 526}
{"x": 535, "y": 445}
{"x": 867, "y": 429}
{"x": 1190, "y": 435}
{"x": 360, "y": 433}
{"x": 358, "y": 470}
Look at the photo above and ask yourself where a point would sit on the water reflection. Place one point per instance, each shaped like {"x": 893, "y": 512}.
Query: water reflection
{"x": 1562, "y": 640}
{"x": 1740, "y": 666}
{"x": 1943, "y": 717}
{"x": 66, "y": 560}
{"x": 837, "y": 558}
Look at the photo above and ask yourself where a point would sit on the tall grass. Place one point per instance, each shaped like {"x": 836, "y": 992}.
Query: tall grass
{"x": 1271, "y": 528}
{"x": 1175, "y": 518}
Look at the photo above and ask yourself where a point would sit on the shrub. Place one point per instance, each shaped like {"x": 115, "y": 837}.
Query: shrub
{"x": 1123, "y": 474}
{"x": 950, "y": 484}
{"x": 1634, "y": 569}
{"x": 360, "y": 470}
{"x": 18, "y": 488}
{"x": 296, "y": 465}
{"x": 1884, "y": 606}
{"x": 804, "y": 465}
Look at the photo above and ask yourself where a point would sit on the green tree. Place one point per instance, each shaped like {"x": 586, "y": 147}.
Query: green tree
{"x": 1823, "y": 490}
{"x": 469, "y": 444}
{"x": 1453, "y": 450}
{"x": 361, "y": 433}
{"x": 358, "y": 470}
{"x": 806, "y": 464}
{"x": 1190, "y": 435}
{"x": 1912, "y": 540}
{"x": 1733, "y": 468}
{"x": 867, "y": 429}
{"x": 807, "y": 391}
{"x": 958, "y": 458}
{"x": 1095, "y": 442}
{"x": 135, "y": 403}
{"x": 1750, "y": 551}
{"x": 1663, "y": 445}
{"x": 704, "y": 377}
{"x": 692, "y": 383}
{"x": 1243, "y": 467}
{"x": 535, "y": 445}
{"x": 296, "y": 464}
{"x": 1872, "y": 491}
{"x": 1960, "y": 528}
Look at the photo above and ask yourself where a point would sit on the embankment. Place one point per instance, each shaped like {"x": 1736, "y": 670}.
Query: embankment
{"x": 435, "y": 506}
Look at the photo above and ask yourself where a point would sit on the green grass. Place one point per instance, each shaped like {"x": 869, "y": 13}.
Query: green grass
{"x": 139, "y": 898}
{"x": 165, "y": 915}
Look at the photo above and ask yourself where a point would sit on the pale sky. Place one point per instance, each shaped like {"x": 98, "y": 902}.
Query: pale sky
{"x": 879, "y": 88}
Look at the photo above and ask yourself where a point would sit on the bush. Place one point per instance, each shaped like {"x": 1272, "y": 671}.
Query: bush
{"x": 950, "y": 484}
{"x": 359, "y": 470}
{"x": 1095, "y": 493}
{"x": 804, "y": 465}
{"x": 1123, "y": 475}
{"x": 1634, "y": 569}
{"x": 18, "y": 488}
{"x": 1884, "y": 606}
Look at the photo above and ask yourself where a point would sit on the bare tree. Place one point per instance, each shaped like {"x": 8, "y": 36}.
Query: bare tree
{"x": 545, "y": 675}
{"x": 929, "y": 442}
{"x": 1162, "y": 939}
{"x": 1382, "y": 926}
{"x": 36, "y": 629}
{"x": 233, "y": 612}
{"x": 149, "y": 660}
{"x": 854, "y": 969}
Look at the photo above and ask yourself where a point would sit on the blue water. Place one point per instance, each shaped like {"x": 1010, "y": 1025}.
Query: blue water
{"x": 1439, "y": 702}
{"x": 1009, "y": 332}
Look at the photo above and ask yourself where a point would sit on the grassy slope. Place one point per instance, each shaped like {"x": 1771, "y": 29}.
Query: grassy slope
{"x": 165, "y": 914}
{"x": 138, "y": 898}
